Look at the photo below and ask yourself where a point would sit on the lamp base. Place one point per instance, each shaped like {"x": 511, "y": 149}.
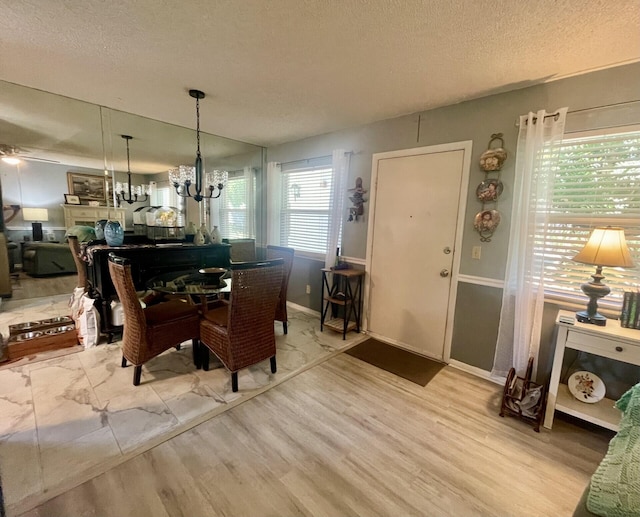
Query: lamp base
{"x": 36, "y": 229}
{"x": 595, "y": 319}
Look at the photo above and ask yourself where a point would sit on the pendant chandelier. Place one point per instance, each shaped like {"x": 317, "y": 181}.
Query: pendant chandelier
{"x": 184, "y": 176}
{"x": 133, "y": 192}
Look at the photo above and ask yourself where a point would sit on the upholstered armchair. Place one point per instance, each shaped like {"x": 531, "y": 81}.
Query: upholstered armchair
{"x": 286, "y": 254}
{"x": 241, "y": 332}
{"x": 150, "y": 331}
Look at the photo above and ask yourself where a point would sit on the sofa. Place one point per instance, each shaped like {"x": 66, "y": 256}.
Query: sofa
{"x": 47, "y": 258}
{"x": 614, "y": 490}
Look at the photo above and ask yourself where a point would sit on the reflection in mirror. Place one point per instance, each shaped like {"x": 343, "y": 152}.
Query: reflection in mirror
{"x": 52, "y": 136}
{"x": 157, "y": 147}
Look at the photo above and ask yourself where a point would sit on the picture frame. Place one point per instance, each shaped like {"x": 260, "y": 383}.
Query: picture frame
{"x": 87, "y": 187}
{"x": 71, "y": 199}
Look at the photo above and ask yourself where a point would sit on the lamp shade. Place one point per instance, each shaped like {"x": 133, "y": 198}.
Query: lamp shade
{"x": 35, "y": 214}
{"x": 606, "y": 246}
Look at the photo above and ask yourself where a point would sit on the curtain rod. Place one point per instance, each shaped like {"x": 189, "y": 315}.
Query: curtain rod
{"x": 307, "y": 160}
{"x": 583, "y": 109}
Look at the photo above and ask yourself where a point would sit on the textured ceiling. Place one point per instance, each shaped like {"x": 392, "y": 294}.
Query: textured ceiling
{"x": 280, "y": 70}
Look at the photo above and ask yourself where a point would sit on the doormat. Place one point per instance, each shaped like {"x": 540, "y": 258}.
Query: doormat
{"x": 407, "y": 365}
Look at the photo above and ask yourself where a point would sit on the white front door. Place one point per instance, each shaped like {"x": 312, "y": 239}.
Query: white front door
{"x": 417, "y": 208}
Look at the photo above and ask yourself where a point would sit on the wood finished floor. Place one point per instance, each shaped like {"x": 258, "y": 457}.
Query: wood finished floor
{"x": 346, "y": 438}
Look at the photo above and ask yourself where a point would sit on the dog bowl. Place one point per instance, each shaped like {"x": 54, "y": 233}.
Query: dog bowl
{"x": 57, "y": 319}
{"x": 28, "y": 335}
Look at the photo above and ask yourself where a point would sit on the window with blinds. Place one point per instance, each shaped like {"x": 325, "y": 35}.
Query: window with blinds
{"x": 597, "y": 183}
{"x": 305, "y": 205}
{"x": 234, "y": 206}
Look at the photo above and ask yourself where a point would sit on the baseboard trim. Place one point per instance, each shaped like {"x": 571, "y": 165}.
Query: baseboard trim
{"x": 304, "y": 309}
{"x": 478, "y": 372}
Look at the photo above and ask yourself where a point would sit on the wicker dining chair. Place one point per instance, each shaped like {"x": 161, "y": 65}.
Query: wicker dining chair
{"x": 150, "y": 331}
{"x": 241, "y": 332}
{"x": 286, "y": 254}
{"x": 81, "y": 265}
{"x": 242, "y": 250}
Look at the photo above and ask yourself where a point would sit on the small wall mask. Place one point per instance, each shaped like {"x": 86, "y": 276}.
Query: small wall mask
{"x": 357, "y": 198}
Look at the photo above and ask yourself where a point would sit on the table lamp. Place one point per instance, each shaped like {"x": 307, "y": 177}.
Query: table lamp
{"x": 37, "y": 215}
{"x": 606, "y": 247}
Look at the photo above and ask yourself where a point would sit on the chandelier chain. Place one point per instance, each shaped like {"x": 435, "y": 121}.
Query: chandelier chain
{"x": 198, "y": 123}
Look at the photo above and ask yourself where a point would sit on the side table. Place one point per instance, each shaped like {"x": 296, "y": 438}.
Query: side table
{"x": 610, "y": 341}
{"x": 346, "y": 292}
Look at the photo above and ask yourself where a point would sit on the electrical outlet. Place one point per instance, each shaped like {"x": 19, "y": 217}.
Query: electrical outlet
{"x": 308, "y": 289}
{"x": 476, "y": 253}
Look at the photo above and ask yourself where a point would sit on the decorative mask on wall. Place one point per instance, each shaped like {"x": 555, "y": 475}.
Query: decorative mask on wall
{"x": 358, "y": 200}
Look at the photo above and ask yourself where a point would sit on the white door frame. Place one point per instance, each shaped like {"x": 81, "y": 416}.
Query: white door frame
{"x": 466, "y": 147}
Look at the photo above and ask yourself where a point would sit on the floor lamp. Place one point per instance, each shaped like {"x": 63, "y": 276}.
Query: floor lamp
{"x": 37, "y": 215}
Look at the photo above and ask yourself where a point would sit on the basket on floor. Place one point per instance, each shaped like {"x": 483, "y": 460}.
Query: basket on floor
{"x": 523, "y": 398}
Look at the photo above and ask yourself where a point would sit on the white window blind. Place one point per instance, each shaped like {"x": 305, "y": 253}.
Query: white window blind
{"x": 597, "y": 183}
{"x": 305, "y": 204}
{"x": 236, "y": 202}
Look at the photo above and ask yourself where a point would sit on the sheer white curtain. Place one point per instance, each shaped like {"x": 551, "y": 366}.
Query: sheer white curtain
{"x": 340, "y": 164}
{"x": 250, "y": 221}
{"x": 274, "y": 202}
{"x": 523, "y": 295}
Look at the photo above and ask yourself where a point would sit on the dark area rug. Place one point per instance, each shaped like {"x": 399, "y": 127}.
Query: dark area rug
{"x": 407, "y": 365}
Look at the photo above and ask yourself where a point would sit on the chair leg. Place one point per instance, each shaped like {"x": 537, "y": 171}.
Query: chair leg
{"x": 179, "y": 346}
{"x": 234, "y": 381}
{"x": 137, "y": 374}
{"x": 204, "y": 355}
{"x": 274, "y": 368}
{"x": 195, "y": 348}
{"x": 284, "y": 326}
{"x": 124, "y": 362}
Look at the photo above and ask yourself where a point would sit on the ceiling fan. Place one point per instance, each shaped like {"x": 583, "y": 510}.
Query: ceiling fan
{"x": 12, "y": 155}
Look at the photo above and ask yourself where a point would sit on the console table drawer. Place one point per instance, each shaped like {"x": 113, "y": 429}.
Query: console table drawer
{"x": 606, "y": 347}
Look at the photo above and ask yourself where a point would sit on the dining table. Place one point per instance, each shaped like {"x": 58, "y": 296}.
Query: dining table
{"x": 200, "y": 289}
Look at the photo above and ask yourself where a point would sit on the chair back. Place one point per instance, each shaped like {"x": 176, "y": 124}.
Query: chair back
{"x": 135, "y": 323}
{"x": 286, "y": 254}
{"x": 242, "y": 250}
{"x": 74, "y": 245}
{"x": 255, "y": 290}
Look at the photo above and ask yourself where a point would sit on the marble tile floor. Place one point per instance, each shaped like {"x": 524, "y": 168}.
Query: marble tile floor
{"x": 69, "y": 418}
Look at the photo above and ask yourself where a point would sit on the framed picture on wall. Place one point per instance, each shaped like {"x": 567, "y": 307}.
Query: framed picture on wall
{"x": 87, "y": 187}
{"x": 70, "y": 199}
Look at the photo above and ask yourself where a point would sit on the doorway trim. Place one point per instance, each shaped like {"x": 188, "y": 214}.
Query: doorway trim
{"x": 466, "y": 146}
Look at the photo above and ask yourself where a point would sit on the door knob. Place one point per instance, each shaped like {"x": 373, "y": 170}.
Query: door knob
{"x": 447, "y": 250}
{"x": 444, "y": 273}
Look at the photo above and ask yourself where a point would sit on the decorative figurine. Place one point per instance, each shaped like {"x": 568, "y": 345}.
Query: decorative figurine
{"x": 357, "y": 198}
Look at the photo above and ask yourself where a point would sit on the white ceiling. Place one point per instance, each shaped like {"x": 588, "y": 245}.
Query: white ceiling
{"x": 280, "y": 70}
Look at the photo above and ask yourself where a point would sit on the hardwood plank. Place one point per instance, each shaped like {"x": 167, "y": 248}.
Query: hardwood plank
{"x": 345, "y": 438}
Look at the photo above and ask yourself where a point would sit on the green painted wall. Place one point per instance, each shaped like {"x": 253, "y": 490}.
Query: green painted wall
{"x": 472, "y": 120}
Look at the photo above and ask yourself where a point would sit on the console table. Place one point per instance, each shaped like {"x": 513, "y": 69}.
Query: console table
{"x": 147, "y": 261}
{"x": 610, "y": 341}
